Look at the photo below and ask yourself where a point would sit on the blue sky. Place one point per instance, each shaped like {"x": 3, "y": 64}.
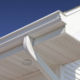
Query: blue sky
{"x": 17, "y": 13}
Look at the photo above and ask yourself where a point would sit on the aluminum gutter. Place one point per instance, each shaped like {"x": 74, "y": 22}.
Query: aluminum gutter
{"x": 43, "y": 26}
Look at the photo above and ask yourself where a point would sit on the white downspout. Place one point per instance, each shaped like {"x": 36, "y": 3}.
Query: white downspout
{"x": 49, "y": 74}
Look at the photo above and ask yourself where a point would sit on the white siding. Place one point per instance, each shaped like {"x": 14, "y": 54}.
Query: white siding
{"x": 71, "y": 71}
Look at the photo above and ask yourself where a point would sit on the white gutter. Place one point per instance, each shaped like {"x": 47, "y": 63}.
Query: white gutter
{"x": 43, "y": 26}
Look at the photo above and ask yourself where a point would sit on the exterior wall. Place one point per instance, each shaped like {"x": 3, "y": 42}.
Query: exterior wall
{"x": 73, "y": 25}
{"x": 71, "y": 71}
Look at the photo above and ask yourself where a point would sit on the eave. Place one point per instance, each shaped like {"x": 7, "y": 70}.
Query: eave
{"x": 47, "y": 43}
{"x": 43, "y": 26}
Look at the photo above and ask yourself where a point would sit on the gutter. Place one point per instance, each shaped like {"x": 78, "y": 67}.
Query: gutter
{"x": 41, "y": 27}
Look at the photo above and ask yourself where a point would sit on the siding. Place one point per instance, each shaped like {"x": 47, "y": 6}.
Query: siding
{"x": 71, "y": 71}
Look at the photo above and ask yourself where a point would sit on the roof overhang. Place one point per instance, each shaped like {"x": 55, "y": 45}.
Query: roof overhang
{"x": 37, "y": 29}
{"x": 50, "y": 31}
{"x": 52, "y": 39}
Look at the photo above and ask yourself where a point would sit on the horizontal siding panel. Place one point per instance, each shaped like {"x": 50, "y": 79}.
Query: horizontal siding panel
{"x": 71, "y": 71}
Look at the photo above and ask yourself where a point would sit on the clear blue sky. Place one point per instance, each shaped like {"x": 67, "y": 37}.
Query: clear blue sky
{"x": 17, "y": 13}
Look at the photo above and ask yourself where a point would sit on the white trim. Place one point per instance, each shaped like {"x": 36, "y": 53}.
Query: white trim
{"x": 72, "y": 11}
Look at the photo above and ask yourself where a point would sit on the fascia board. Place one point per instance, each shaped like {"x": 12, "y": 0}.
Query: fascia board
{"x": 72, "y": 11}
{"x": 38, "y": 28}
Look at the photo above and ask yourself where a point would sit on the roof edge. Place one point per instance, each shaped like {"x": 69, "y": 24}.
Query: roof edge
{"x": 27, "y": 27}
{"x": 40, "y": 27}
{"x": 72, "y": 11}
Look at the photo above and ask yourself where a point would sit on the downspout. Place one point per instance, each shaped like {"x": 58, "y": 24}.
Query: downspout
{"x": 39, "y": 62}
